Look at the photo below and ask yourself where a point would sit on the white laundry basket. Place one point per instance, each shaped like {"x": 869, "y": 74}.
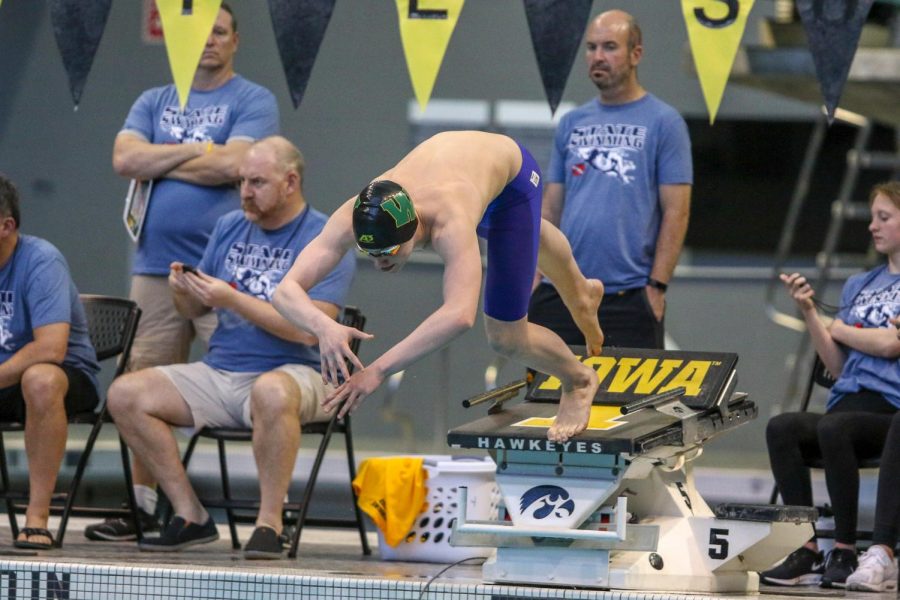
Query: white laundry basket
{"x": 429, "y": 538}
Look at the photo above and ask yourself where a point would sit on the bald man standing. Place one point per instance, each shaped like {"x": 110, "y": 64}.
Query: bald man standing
{"x": 619, "y": 188}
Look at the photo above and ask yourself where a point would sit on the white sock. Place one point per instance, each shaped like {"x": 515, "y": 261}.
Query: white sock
{"x": 146, "y": 498}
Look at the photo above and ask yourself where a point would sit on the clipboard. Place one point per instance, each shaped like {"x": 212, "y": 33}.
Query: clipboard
{"x": 136, "y": 201}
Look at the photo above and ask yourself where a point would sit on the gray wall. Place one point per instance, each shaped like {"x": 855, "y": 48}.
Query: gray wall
{"x": 351, "y": 125}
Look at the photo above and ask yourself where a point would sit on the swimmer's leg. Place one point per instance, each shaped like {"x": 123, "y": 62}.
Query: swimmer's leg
{"x": 580, "y": 295}
{"x": 543, "y": 350}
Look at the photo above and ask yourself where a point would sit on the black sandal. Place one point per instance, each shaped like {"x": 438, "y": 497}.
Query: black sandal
{"x": 31, "y": 531}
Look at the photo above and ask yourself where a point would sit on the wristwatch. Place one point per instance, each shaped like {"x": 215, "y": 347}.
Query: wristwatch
{"x": 656, "y": 283}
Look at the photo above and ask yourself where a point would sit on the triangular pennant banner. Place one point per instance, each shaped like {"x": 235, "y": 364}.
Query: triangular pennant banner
{"x": 833, "y": 28}
{"x": 425, "y": 30}
{"x": 299, "y": 27}
{"x": 557, "y": 27}
{"x": 186, "y": 26}
{"x": 78, "y": 27}
{"x": 714, "y": 30}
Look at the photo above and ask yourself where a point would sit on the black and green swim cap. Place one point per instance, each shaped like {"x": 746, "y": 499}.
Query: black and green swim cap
{"x": 383, "y": 216}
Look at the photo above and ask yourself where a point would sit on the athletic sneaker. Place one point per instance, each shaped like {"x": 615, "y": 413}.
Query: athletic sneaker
{"x": 877, "y": 572}
{"x": 179, "y": 534}
{"x": 121, "y": 529}
{"x": 802, "y": 567}
{"x": 838, "y": 566}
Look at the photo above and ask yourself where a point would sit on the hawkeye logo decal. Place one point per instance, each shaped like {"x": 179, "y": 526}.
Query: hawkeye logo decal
{"x": 603, "y": 418}
{"x": 643, "y": 375}
{"x": 546, "y": 501}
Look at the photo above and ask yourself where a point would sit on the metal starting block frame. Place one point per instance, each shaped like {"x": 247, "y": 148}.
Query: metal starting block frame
{"x": 616, "y": 506}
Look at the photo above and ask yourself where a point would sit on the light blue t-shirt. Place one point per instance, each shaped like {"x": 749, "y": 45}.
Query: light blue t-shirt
{"x": 611, "y": 160}
{"x": 869, "y": 300}
{"x": 37, "y": 290}
{"x": 254, "y": 260}
{"x": 181, "y": 215}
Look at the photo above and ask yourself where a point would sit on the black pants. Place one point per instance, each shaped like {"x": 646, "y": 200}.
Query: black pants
{"x": 80, "y": 397}
{"x": 854, "y": 429}
{"x": 625, "y": 317}
{"x": 887, "y": 507}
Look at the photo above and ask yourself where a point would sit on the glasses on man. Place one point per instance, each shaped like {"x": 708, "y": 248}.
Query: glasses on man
{"x": 379, "y": 252}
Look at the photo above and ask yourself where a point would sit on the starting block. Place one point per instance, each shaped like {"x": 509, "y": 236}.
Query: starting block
{"x": 616, "y": 506}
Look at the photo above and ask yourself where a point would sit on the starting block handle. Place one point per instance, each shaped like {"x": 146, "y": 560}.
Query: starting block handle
{"x": 499, "y": 394}
{"x": 654, "y": 400}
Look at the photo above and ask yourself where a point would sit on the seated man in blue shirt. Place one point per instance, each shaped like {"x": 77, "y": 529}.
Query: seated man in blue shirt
{"x": 260, "y": 369}
{"x": 48, "y": 368}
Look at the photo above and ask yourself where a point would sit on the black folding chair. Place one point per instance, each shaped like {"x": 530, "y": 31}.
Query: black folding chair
{"x": 244, "y": 511}
{"x": 112, "y": 323}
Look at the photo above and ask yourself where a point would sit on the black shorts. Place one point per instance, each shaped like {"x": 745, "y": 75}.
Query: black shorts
{"x": 81, "y": 397}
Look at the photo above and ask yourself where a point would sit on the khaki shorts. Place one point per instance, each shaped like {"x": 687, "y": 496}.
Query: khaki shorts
{"x": 163, "y": 336}
{"x": 222, "y": 398}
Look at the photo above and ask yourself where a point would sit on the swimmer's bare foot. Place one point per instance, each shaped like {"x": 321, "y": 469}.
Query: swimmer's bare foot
{"x": 574, "y": 409}
{"x": 585, "y": 317}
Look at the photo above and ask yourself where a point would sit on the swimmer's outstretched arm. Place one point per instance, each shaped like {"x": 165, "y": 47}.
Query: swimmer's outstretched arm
{"x": 291, "y": 300}
{"x": 455, "y": 316}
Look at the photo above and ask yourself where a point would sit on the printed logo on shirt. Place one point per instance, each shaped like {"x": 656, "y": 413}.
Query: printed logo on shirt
{"x": 608, "y": 148}
{"x": 874, "y": 307}
{"x": 258, "y": 269}
{"x": 7, "y": 310}
{"x": 535, "y": 178}
{"x": 193, "y": 125}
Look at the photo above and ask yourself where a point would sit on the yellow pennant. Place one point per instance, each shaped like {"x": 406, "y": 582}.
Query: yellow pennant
{"x": 425, "y": 29}
{"x": 715, "y": 28}
{"x": 603, "y": 418}
{"x": 186, "y": 26}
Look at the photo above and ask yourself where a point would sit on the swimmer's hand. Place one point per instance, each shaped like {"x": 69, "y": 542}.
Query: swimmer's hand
{"x": 334, "y": 351}
{"x": 350, "y": 394}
